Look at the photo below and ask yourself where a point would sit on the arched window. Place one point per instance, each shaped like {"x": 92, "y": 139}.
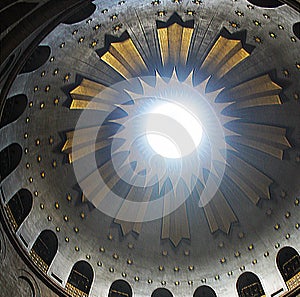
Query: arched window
{"x": 81, "y": 15}
{"x": 13, "y": 108}
{"x": 204, "y": 291}
{"x": 249, "y": 285}
{"x": 266, "y": 3}
{"x": 296, "y": 29}
{"x": 161, "y": 292}
{"x": 10, "y": 158}
{"x": 37, "y": 59}
{"x": 19, "y": 207}
{"x": 120, "y": 288}
{"x": 81, "y": 278}
{"x": 44, "y": 249}
{"x": 288, "y": 263}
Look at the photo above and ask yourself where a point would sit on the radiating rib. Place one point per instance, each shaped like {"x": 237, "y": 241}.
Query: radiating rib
{"x": 136, "y": 194}
{"x": 259, "y": 87}
{"x": 251, "y": 181}
{"x": 125, "y": 59}
{"x": 175, "y": 226}
{"x": 219, "y": 213}
{"x": 174, "y": 44}
{"x": 224, "y": 55}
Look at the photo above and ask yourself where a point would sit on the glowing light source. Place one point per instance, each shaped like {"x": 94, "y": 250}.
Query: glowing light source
{"x": 173, "y": 131}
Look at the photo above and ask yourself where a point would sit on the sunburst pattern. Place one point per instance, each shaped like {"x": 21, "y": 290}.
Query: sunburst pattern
{"x": 226, "y": 53}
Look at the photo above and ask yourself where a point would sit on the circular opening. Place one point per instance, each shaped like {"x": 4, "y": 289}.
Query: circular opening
{"x": 173, "y": 131}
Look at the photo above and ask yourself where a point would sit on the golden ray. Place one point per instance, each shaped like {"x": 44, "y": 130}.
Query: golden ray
{"x": 175, "y": 226}
{"x": 125, "y": 59}
{"x": 174, "y": 44}
{"x": 224, "y": 55}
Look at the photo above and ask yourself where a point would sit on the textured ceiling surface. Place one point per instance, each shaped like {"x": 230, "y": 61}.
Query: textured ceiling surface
{"x": 211, "y": 246}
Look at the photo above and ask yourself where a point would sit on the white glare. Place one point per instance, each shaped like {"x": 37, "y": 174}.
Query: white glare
{"x": 173, "y": 131}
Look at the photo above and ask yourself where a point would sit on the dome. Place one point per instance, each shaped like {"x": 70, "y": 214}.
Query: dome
{"x": 150, "y": 148}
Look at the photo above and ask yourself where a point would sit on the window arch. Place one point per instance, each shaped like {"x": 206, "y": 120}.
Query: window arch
{"x": 13, "y": 108}
{"x": 204, "y": 291}
{"x": 19, "y": 207}
{"x": 81, "y": 278}
{"x": 296, "y": 29}
{"x": 81, "y": 15}
{"x": 266, "y": 3}
{"x": 161, "y": 292}
{"x": 39, "y": 57}
{"x": 120, "y": 288}
{"x": 10, "y": 158}
{"x": 288, "y": 263}
{"x": 249, "y": 285}
{"x": 44, "y": 249}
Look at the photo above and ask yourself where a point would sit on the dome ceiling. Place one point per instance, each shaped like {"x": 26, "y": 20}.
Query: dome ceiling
{"x": 75, "y": 147}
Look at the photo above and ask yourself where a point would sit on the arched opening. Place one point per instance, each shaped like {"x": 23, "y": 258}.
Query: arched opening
{"x": 13, "y": 108}
{"x": 288, "y": 263}
{"x": 204, "y": 291}
{"x": 81, "y": 15}
{"x": 19, "y": 207}
{"x": 81, "y": 278}
{"x": 266, "y": 3}
{"x": 161, "y": 292}
{"x": 37, "y": 59}
{"x": 120, "y": 288}
{"x": 296, "y": 29}
{"x": 44, "y": 249}
{"x": 249, "y": 285}
{"x": 10, "y": 158}
{"x": 14, "y": 13}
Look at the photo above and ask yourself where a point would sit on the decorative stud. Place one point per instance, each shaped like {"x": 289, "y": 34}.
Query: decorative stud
{"x": 99, "y": 263}
{"x": 49, "y": 218}
{"x": 114, "y": 17}
{"x": 30, "y": 180}
{"x": 124, "y": 274}
{"x": 35, "y": 89}
{"x": 254, "y": 261}
{"x": 176, "y": 269}
{"x": 56, "y": 205}
{"x": 117, "y": 27}
{"x": 25, "y": 135}
{"x": 115, "y": 256}
{"x": 52, "y": 59}
{"x": 288, "y": 236}
{"x": 76, "y": 229}
{"x": 30, "y": 104}
{"x": 223, "y": 260}
{"x": 191, "y": 267}
{"x": 190, "y": 282}
{"x": 47, "y": 88}
{"x": 161, "y": 13}
{"x": 203, "y": 280}
{"x": 66, "y": 218}
{"x": 293, "y": 39}
{"x": 217, "y": 277}
{"x": 111, "y": 269}
{"x": 277, "y": 245}
{"x": 249, "y": 6}
{"x": 150, "y": 281}
{"x": 163, "y": 283}
{"x": 36, "y": 193}
{"x": 104, "y": 11}
{"x": 237, "y": 254}
{"x": 190, "y": 12}
{"x": 242, "y": 268}
{"x": 43, "y": 73}
{"x": 296, "y": 202}
{"x": 56, "y": 101}
{"x": 102, "y": 249}
{"x": 129, "y": 262}
{"x": 75, "y": 32}
{"x": 155, "y": 2}
{"x": 67, "y": 239}
{"x": 81, "y": 39}
{"x": 67, "y": 77}
{"x": 57, "y": 229}
{"x": 88, "y": 257}
{"x": 297, "y": 226}
{"x": 257, "y": 23}
{"x": 110, "y": 237}
{"x": 239, "y": 13}
{"x": 230, "y": 273}
{"x": 54, "y": 163}
{"x": 277, "y": 226}
{"x": 280, "y": 27}
{"x": 42, "y": 206}
{"x": 136, "y": 278}
{"x": 82, "y": 215}
{"x": 62, "y": 45}
{"x": 161, "y": 268}
{"x": 43, "y": 174}
{"x": 186, "y": 253}
{"x": 176, "y": 283}
{"x": 97, "y": 27}
{"x": 197, "y": 2}
{"x": 234, "y": 25}
{"x": 257, "y": 39}
{"x": 266, "y": 254}
{"x": 77, "y": 248}
{"x": 164, "y": 253}
{"x": 250, "y": 247}
{"x": 266, "y": 16}
{"x": 273, "y": 35}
